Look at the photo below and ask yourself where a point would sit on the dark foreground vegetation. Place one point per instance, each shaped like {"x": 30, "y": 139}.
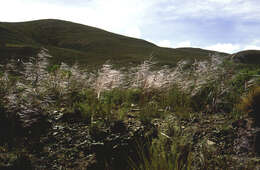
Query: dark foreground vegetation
{"x": 200, "y": 115}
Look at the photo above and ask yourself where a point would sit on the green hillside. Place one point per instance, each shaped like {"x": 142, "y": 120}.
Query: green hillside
{"x": 72, "y": 42}
{"x": 247, "y": 57}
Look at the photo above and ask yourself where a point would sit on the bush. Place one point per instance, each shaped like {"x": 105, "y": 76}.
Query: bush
{"x": 133, "y": 96}
{"x": 85, "y": 111}
{"x": 177, "y": 100}
{"x": 148, "y": 112}
{"x": 213, "y": 98}
{"x": 114, "y": 97}
{"x": 244, "y": 76}
{"x": 97, "y": 130}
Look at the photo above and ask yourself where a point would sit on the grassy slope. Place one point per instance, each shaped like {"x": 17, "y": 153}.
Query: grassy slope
{"x": 72, "y": 42}
{"x": 247, "y": 57}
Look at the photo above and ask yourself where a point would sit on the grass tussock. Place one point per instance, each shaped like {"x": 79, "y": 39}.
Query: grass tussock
{"x": 250, "y": 104}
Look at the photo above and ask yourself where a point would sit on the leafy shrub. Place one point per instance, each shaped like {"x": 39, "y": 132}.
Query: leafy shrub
{"x": 149, "y": 111}
{"x": 176, "y": 99}
{"x": 121, "y": 113}
{"x": 53, "y": 69}
{"x": 84, "y": 103}
{"x": 115, "y": 97}
{"x": 213, "y": 98}
{"x": 241, "y": 79}
{"x": 204, "y": 98}
{"x": 133, "y": 95}
{"x": 88, "y": 96}
{"x": 97, "y": 131}
{"x": 85, "y": 111}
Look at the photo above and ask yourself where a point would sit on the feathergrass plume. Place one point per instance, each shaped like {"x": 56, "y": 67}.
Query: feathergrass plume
{"x": 107, "y": 78}
{"x": 204, "y": 72}
{"x": 36, "y": 67}
{"x": 7, "y": 88}
{"x": 205, "y": 81}
{"x": 62, "y": 81}
{"x": 191, "y": 77}
{"x": 142, "y": 75}
{"x": 4, "y": 82}
{"x": 145, "y": 77}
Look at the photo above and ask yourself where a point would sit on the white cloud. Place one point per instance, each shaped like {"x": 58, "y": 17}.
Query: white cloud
{"x": 256, "y": 42}
{"x": 225, "y": 47}
{"x": 207, "y": 9}
{"x": 133, "y": 32}
{"x": 232, "y": 48}
{"x": 255, "y": 45}
{"x": 183, "y": 44}
{"x": 251, "y": 47}
{"x": 168, "y": 43}
{"x": 222, "y": 1}
{"x": 164, "y": 43}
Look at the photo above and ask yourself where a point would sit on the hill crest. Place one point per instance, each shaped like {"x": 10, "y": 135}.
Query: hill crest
{"x": 72, "y": 42}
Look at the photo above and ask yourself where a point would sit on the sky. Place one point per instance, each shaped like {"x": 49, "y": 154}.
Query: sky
{"x": 221, "y": 25}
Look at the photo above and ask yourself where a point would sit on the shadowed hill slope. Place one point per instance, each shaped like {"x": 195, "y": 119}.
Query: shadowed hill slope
{"x": 247, "y": 57}
{"x": 71, "y": 42}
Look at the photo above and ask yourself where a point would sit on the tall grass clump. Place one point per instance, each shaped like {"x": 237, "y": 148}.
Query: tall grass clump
{"x": 250, "y": 104}
{"x": 165, "y": 153}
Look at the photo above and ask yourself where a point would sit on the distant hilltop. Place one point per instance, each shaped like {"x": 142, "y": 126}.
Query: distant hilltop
{"x": 71, "y": 42}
